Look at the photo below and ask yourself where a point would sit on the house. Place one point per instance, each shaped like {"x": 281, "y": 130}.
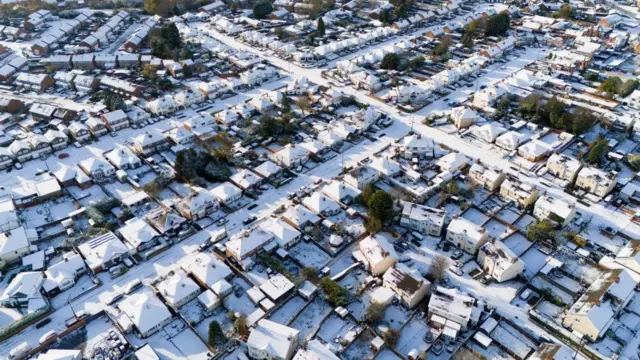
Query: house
{"x": 523, "y": 194}
{"x": 198, "y": 205}
{"x": 423, "y": 219}
{"x": 555, "y": 210}
{"x": 60, "y": 354}
{"x": 276, "y": 287}
{"x": 315, "y": 350}
{"x": 452, "y": 305}
{"x": 563, "y": 167}
{"x": 361, "y": 176}
{"x": 21, "y": 150}
{"x": 146, "y": 312}
{"x": 226, "y": 193}
{"x": 97, "y": 168}
{"x": 510, "y": 140}
{"x": 166, "y": 221}
{"x": 116, "y": 120}
{"x": 453, "y": 162}
{"x": 596, "y": 181}
{"x": 189, "y": 97}
{"x": 178, "y": 289}
{"x": 535, "y": 150}
{"x": 378, "y": 252}
{"x": 96, "y": 126}
{"x": 40, "y": 82}
{"x": 103, "y": 251}
{"x": 596, "y": 310}
{"x": 14, "y": 244}
{"x": 285, "y": 235}
{"x": 123, "y": 158}
{"x": 463, "y": 117}
{"x": 150, "y": 142}
{"x": 246, "y": 180}
{"x": 139, "y": 235}
{"x": 24, "y": 291}
{"x": 321, "y": 204}
{"x": 268, "y": 170}
{"x": 63, "y": 275}
{"x": 488, "y": 177}
{"x": 300, "y": 217}
{"x": 40, "y": 145}
{"x": 272, "y": 341}
{"x": 6, "y": 158}
{"x": 466, "y": 235}
{"x": 79, "y": 131}
{"x": 206, "y": 269}
{"x": 120, "y": 87}
{"x": 57, "y": 139}
{"x": 162, "y": 105}
{"x": 499, "y": 262}
{"x": 8, "y": 217}
{"x": 291, "y": 156}
{"x": 341, "y": 192}
{"x": 248, "y": 244}
{"x": 407, "y": 283}
{"x": 488, "y": 132}
{"x": 417, "y": 146}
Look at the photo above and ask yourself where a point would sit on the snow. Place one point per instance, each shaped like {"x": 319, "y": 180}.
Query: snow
{"x": 309, "y": 319}
{"x": 288, "y": 311}
{"x": 309, "y": 255}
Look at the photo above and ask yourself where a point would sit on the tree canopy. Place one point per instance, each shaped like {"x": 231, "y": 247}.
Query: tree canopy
{"x": 381, "y": 206}
{"x": 261, "y": 9}
{"x": 390, "y": 61}
{"x": 497, "y": 24}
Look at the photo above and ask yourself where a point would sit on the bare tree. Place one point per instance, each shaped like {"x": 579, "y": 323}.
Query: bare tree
{"x": 438, "y": 268}
{"x": 304, "y": 104}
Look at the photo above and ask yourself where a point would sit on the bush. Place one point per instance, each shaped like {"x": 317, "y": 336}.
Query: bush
{"x": 391, "y": 337}
{"x": 634, "y": 161}
{"x": 216, "y": 336}
{"x": 374, "y": 313}
{"x": 597, "y": 152}
{"x": 240, "y": 326}
{"x": 541, "y": 231}
{"x": 336, "y": 294}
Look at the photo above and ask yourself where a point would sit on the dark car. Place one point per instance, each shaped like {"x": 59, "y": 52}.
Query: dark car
{"x": 43, "y": 323}
{"x": 249, "y": 220}
{"x": 252, "y": 206}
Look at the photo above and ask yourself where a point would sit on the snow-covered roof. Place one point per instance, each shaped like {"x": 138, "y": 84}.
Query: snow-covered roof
{"x": 206, "y": 267}
{"x": 12, "y": 241}
{"x": 320, "y": 203}
{"x": 102, "y": 249}
{"x": 137, "y": 232}
{"x": 225, "y": 191}
{"x": 277, "y": 286}
{"x": 145, "y": 310}
{"x": 248, "y": 241}
{"x": 283, "y": 232}
{"x": 377, "y": 247}
{"x": 273, "y": 338}
{"x": 177, "y": 287}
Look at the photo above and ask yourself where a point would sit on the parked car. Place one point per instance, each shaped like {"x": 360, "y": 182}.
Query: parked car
{"x": 456, "y": 255}
{"x": 42, "y": 323}
{"x": 249, "y": 220}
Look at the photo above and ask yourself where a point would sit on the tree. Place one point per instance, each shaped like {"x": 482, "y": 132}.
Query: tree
{"x": 187, "y": 71}
{"x": 373, "y": 225}
{"x": 374, "y": 313}
{"x": 401, "y": 12}
{"x": 597, "y": 152}
{"x": 634, "y": 161}
{"x": 628, "y": 87}
{"x": 385, "y": 16}
{"x": 467, "y": 39}
{"x": 497, "y": 24}
{"x": 443, "y": 46}
{"x": 240, "y": 326}
{"x": 321, "y": 26}
{"x": 149, "y": 71}
{"x": 390, "y": 61}
{"x": 336, "y": 294}
{"x": 164, "y": 84}
{"x": 216, "y": 336}
{"x": 186, "y": 54}
{"x": 261, "y": 9}
{"x": 222, "y": 146}
{"x": 114, "y": 102}
{"x": 381, "y": 206}
{"x": 438, "y": 268}
{"x": 304, "y": 104}
{"x": 310, "y": 273}
{"x": 416, "y": 63}
{"x": 171, "y": 34}
{"x": 611, "y": 85}
{"x": 541, "y": 231}
{"x": 268, "y": 126}
{"x": 367, "y": 193}
{"x": 391, "y": 337}
{"x": 565, "y": 12}
{"x": 473, "y": 26}
{"x": 285, "y": 104}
